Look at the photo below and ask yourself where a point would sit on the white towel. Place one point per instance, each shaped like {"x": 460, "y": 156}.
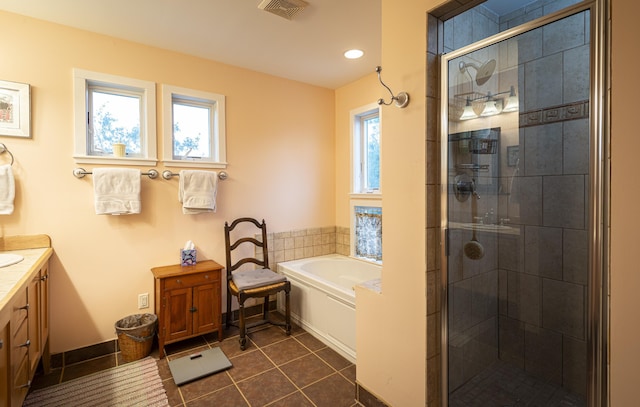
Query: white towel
{"x": 7, "y": 190}
{"x": 116, "y": 191}
{"x": 197, "y": 191}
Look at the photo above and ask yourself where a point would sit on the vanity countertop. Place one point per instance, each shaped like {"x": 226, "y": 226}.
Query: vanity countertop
{"x": 13, "y": 277}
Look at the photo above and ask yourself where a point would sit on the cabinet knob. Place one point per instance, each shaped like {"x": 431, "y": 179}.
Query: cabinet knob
{"x": 26, "y": 385}
{"x": 206, "y": 276}
{"x": 179, "y": 281}
{"x": 193, "y": 309}
{"x": 26, "y": 344}
{"x": 26, "y": 307}
{"x": 44, "y": 278}
{"x": 1, "y": 343}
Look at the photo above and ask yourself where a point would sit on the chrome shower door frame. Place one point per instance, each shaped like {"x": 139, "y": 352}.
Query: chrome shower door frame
{"x": 599, "y": 175}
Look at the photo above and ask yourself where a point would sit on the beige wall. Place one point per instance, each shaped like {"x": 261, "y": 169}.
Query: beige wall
{"x": 391, "y": 326}
{"x": 280, "y": 149}
{"x": 355, "y": 95}
{"x": 102, "y": 263}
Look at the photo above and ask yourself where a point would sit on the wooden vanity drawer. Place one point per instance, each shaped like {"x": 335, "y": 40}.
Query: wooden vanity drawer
{"x": 190, "y": 280}
{"x": 20, "y": 309}
{"x": 19, "y": 344}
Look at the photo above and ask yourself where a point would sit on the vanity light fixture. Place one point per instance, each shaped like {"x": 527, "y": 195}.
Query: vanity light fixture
{"x": 490, "y": 108}
{"x": 402, "y": 99}
{"x": 468, "y": 112}
{"x": 353, "y": 53}
{"x": 512, "y": 103}
{"x": 492, "y": 105}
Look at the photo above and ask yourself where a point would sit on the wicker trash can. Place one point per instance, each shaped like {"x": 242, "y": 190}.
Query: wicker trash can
{"x": 135, "y": 335}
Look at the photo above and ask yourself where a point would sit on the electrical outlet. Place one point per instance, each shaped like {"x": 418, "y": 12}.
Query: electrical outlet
{"x": 143, "y": 300}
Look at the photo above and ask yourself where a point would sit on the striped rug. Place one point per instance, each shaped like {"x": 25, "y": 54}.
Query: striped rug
{"x": 133, "y": 384}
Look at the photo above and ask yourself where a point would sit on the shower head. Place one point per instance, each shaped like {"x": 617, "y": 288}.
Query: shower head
{"x": 483, "y": 72}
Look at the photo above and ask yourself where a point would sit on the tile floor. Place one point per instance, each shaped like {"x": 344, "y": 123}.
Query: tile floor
{"x": 275, "y": 370}
{"x": 503, "y": 385}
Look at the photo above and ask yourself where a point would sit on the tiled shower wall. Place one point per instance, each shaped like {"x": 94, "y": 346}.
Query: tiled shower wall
{"x": 544, "y": 274}
{"x": 537, "y": 278}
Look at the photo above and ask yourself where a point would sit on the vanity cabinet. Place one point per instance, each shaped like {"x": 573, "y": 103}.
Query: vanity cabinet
{"x": 4, "y": 364}
{"x": 187, "y": 301}
{"x": 24, "y": 318}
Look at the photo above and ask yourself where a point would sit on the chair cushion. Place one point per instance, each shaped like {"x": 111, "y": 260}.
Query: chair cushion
{"x": 246, "y": 280}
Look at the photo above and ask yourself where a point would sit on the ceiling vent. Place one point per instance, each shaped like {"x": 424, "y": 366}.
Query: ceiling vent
{"x": 283, "y": 8}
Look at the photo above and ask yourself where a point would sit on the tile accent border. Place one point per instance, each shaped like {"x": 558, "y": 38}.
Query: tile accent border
{"x": 554, "y": 114}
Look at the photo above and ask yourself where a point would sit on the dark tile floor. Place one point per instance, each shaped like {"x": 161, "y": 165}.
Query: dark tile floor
{"x": 503, "y": 385}
{"x": 275, "y": 370}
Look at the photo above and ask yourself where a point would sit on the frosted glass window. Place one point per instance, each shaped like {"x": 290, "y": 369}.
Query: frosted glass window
{"x": 368, "y": 232}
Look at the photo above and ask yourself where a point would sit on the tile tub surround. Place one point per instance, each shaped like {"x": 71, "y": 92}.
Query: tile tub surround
{"x": 311, "y": 242}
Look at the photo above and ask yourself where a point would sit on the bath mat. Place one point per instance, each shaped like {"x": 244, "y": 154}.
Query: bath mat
{"x": 133, "y": 384}
{"x": 198, "y": 365}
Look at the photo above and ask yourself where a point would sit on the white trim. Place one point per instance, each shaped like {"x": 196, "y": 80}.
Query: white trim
{"x": 218, "y": 129}
{"x": 356, "y": 147}
{"x": 148, "y": 127}
{"x": 374, "y": 203}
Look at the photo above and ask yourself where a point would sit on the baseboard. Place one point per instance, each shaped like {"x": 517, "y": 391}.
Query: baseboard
{"x": 366, "y": 398}
{"x": 58, "y": 360}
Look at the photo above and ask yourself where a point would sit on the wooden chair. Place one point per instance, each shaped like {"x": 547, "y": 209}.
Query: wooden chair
{"x": 259, "y": 282}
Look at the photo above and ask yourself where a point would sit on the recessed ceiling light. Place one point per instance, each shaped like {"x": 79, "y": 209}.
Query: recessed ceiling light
{"x": 353, "y": 53}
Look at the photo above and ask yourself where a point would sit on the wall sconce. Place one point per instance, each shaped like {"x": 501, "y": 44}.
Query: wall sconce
{"x": 402, "y": 99}
{"x": 492, "y": 105}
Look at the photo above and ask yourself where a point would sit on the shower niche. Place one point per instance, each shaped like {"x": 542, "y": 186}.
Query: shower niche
{"x": 475, "y": 158}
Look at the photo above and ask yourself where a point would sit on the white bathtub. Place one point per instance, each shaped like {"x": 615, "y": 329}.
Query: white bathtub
{"x": 323, "y": 299}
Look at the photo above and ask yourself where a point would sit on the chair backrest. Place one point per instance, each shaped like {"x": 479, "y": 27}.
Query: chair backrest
{"x": 235, "y": 240}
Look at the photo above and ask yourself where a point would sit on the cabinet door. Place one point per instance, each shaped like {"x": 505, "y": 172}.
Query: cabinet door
{"x": 178, "y": 313}
{"x": 20, "y": 363}
{"x": 206, "y": 303}
{"x": 4, "y": 365}
{"x": 33, "y": 316}
{"x": 43, "y": 315}
{"x": 44, "y": 304}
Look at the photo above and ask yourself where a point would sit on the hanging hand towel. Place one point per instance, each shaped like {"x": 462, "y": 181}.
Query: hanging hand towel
{"x": 7, "y": 190}
{"x": 116, "y": 191}
{"x": 197, "y": 191}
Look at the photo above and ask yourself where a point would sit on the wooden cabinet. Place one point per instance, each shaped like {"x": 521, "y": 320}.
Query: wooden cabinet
{"x": 187, "y": 301}
{"x": 20, "y": 345}
{"x": 4, "y": 364}
{"x": 24, "y": 318}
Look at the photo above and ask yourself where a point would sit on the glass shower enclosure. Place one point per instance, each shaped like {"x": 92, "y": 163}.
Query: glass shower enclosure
{"x": 516, "y": 163}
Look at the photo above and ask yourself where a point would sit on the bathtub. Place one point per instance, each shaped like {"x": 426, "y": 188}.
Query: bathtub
{"x": 323, "y": 297}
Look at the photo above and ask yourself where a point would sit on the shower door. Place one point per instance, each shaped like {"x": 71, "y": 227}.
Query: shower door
{"x": 516, "y": 162}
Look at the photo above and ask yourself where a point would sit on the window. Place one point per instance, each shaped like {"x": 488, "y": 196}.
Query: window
{"x": 366, "y": 150}
{"x": 368, "y": 232}
{"x": 194, "y": 128}
{"x": 366, "y": 198}
{"x": 111, "y": 109}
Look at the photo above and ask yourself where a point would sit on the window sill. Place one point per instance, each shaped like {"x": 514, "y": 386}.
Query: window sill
{"x": 115, "y": 160}
{"x": 194, "y": 164}
{"x": 372, "y": 196}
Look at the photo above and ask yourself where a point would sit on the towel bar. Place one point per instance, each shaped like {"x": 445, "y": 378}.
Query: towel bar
{"x": 81, "y": 172}
{"x": 166, "y": 174}
{"x": 3, "y": 149}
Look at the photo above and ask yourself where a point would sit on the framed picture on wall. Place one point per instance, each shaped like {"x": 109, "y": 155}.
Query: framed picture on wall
{"x": 15, "y": 115}
{"x": 513, "y": 154}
